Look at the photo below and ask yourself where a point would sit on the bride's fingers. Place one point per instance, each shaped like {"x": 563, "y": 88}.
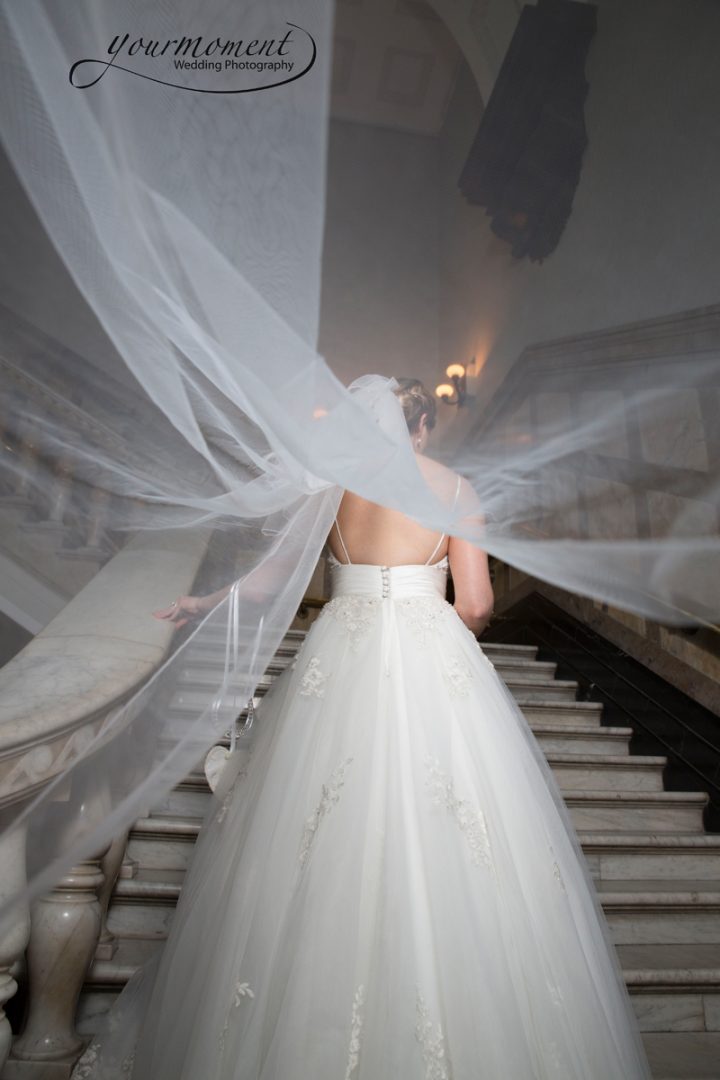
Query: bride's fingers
{"x": 165, "y": 613}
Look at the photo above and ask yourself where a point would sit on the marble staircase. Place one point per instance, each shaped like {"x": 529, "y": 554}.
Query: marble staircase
{"x": 656, "y": 870}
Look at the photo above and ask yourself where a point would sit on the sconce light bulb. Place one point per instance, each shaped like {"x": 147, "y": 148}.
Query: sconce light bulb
{"x": 455, "y": 369}
{"x": 444, "y": 390}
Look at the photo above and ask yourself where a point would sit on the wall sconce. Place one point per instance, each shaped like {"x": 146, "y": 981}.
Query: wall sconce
{"x": 454, "y": 393}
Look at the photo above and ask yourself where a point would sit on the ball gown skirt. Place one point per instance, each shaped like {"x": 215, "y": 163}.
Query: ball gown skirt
{"x": 388, "y": 886}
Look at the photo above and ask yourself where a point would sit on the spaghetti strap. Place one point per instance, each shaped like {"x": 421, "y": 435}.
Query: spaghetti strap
{"x": 342, "y": 542}
{"x": 430, "y": 558}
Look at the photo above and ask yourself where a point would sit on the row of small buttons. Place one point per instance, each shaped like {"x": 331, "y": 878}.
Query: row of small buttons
{"x": 385, "y": 574}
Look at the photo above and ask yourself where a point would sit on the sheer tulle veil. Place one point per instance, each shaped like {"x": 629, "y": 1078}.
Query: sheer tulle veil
{"x": 189, "y": 217}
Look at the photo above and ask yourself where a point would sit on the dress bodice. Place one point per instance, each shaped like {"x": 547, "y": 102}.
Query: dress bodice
{"x": 388, "y": 582}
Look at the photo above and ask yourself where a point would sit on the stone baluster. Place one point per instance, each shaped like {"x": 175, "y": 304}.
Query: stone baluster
{"x": 64, "y": 933}
{"x": 15, "y": 935}
{"x": 96, "y": 546}
{"x": 26, "y": 452}
{"x": 112, "y": 861}
{"x": 55, "y": 505}
{"x": 99, "y": 517}
{"x": 60, "y": 496}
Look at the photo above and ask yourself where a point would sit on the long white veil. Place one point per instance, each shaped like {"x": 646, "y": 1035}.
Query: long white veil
{"x": 189, "y": 215}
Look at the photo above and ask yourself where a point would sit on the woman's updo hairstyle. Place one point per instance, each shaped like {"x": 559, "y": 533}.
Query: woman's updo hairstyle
{"x": 415, "y": 401}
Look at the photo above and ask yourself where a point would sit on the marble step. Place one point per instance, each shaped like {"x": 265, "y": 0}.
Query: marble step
{"x": 657, "y": 833}
{"x": 561, "y": 712}
{"x": 494, "y": 648}
{"x": 552, "y": 690}
{"x": 573, "y": 768}
{"x": 654, "y": 811}
{"x": 142, "y": 907}
{"x": 638, "y": 912}
{"x": 212, "y": 658}
{"x": 214, "y": 638}
{"x": 582, "y": 737}
{"x": 683, "y": 1055}
{"x": 673, "y": 987}
{"x": 190, "y": 698}
{"x": 651, "y": 912}
{"x": 611, "y": 772}
{"x": 106, "y": 978}
{"x": 635, "y": 810}
{"x": 195, "y": 674}
{"x": 557, "y": 713}
{"x": 165, "y": 841}
{"x": 614, "y": 855}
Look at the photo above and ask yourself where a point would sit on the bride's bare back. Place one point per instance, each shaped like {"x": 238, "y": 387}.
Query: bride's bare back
{"x": 384, "y": 537}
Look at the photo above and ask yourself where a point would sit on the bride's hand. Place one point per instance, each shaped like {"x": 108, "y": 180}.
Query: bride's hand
{"x": 182, "y": 610}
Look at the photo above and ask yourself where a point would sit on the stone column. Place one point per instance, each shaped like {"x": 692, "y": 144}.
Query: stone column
{"x": 15, "y": 934}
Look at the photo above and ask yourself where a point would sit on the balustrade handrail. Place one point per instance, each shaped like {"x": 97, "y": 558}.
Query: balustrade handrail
{"x": 101, "y": 647}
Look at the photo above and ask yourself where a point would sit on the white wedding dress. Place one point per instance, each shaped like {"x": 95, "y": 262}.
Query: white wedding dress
{"x": 389, "y": 887}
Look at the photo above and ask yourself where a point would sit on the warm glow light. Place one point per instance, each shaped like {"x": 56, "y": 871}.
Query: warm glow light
{"x": 444, "y": 390}
{"x": 318, "y": 412}
{"x": 455, "y": 369}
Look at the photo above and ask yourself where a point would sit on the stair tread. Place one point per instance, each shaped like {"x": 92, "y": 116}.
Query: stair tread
{"x": 590, "y": 794}
{"x": 622, "y": 838}
{"x": 170, "y": 825}
{"x": 177, "y": 823}
{"x": 692, "y": 890}
{"x": 191, "y": 675}
{"x": 166, "y": 885}
{"x": 587, "y": 837}
{"x": 582, "y": 727}
{"x": 147, "y": 873}
{"x": 583, "y": 706}
{"x": 606, "y": 759}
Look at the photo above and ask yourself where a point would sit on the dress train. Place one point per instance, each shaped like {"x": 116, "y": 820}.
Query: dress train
{"x": 388, "y": 886}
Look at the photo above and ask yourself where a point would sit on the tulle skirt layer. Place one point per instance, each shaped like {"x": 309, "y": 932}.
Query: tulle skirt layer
{"x": 387, "y": 885}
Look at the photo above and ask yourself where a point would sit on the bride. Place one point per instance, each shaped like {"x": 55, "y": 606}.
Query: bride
{"x": 387, "y": 885}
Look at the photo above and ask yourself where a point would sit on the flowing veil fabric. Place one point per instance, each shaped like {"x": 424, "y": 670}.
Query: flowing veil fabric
{"x": 387, "y": 883}
{"x": 188, "y": 216}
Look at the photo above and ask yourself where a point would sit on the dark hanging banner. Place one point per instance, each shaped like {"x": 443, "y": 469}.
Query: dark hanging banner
{"x": 524, "y": 164}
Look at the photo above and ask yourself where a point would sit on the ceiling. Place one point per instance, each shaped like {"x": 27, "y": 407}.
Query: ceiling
{"x": 394, "y": 64}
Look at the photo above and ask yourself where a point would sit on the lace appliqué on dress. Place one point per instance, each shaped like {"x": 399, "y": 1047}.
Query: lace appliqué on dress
{"x": 330, "y": 796}
{"x": 355, "y": 613}
{"x": 458, "y": 675}
{"x": 424, "y": 615}
{"x": 432, "y": 1044}
{"x": 313, "y": 680}
{"x": 227, "y": 799}
{"x": 470, "y": 818}
{"x": 85, "y": 1065}
{"x": 355, "y": 1031}
{"x": 556, "y": 872}
{"x": 241, "y": 990}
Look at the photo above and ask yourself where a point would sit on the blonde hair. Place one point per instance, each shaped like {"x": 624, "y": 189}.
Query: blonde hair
{"x": 415, "y": 401}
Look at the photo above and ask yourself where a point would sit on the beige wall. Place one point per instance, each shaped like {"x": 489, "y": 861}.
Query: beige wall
{"x": 381, "y": 253}
{"x": 644, "y": 234}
